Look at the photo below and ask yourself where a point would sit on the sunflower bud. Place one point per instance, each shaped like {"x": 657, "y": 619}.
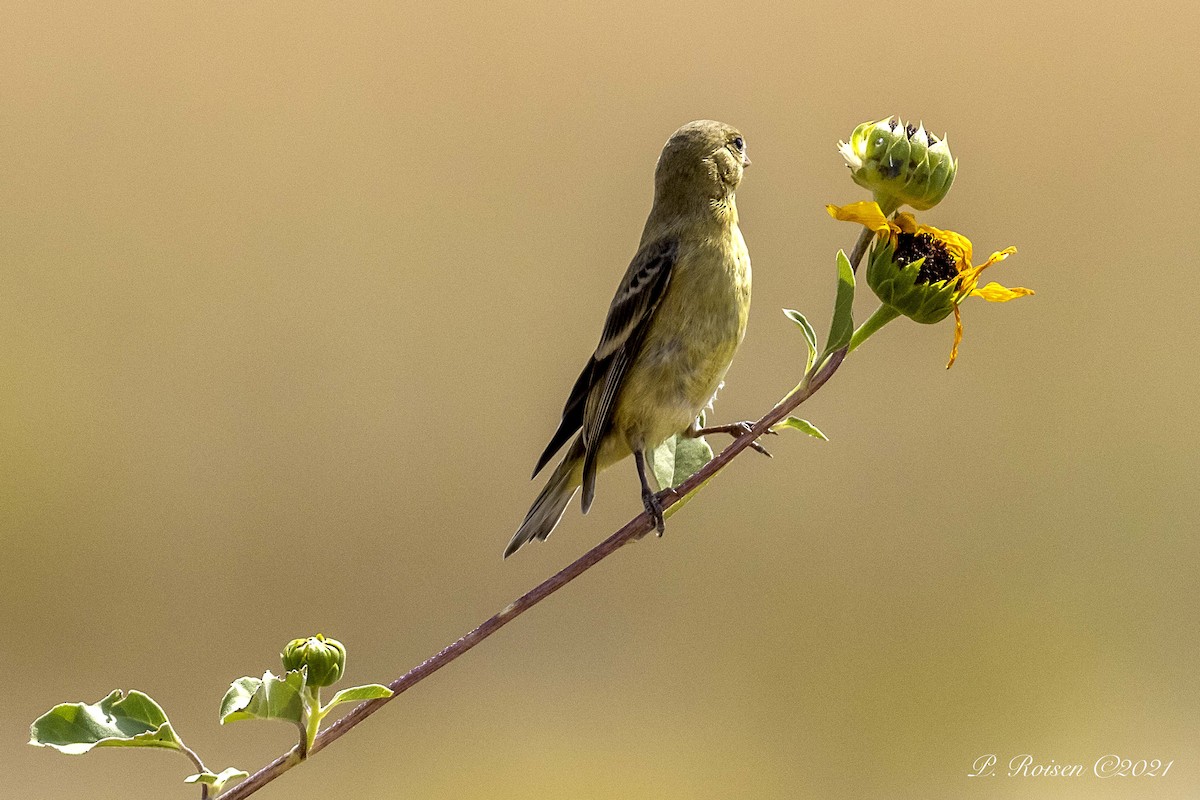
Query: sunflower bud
{"x": 915, "y": 274}
{"x": 324, "y": 658}
{"x": 899, "y": 163}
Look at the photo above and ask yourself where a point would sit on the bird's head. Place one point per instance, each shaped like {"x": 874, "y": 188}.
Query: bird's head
{"x": 703, "y": 158}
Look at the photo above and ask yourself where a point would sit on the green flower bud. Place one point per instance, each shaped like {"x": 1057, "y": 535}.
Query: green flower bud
{"x": 324, "y": 658}
{"x": 900, "y": 164}
{"x": 915, "y": 274}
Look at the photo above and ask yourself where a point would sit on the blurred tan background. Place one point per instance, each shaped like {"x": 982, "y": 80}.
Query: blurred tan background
{"x": 300, "y": 287}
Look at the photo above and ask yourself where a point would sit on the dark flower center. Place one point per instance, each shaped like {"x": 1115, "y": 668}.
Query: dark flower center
{"x": 938, "y": 264}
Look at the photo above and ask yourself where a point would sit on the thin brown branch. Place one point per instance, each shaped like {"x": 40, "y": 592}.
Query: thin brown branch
{"x": 634, "y": 529}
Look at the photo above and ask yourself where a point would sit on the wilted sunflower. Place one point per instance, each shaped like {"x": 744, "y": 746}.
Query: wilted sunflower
{"x": 924, "y": 272}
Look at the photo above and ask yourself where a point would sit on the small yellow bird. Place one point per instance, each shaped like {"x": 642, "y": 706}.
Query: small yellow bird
{"x": 673, "y": 327}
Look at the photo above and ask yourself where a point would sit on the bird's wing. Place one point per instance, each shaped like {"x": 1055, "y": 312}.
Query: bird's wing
{"x": 572, "y": 417}
{"x": 642, "y": 289}
{"x": 590, "y": 403}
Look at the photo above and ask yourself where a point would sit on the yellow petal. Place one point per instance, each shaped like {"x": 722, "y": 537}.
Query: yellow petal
{"x": 907, "y": 223}
{"x": 996, "y": 258}
{"x": 995, "y": 293}
{"x": 958, "y": 245}
{"x": 865, "y": 212}
{"x": 957, "y": 338}
{"x": 970, "y": 275}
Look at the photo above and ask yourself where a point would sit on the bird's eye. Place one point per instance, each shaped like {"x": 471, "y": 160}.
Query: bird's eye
{"x": 738, "y": 143}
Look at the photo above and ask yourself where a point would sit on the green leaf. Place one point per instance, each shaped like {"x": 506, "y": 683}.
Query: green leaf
{"x": 691, "y": 454}
{"x": 268, "y": 697}
{"x": 842, "y": 327}
{"x": 218, "y": 781}
{"x": 132, "y": 720}
{"x": 804, "y": 426}
{"x": 810, "y": 335}
{"x": 676, "y": 460}
{"x": 662, "y": 462}
{"x": 679, "y": 458}
{"x": 355, "y": 694}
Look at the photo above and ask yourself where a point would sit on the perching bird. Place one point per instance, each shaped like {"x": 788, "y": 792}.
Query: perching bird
{"x": 674, "y": 324}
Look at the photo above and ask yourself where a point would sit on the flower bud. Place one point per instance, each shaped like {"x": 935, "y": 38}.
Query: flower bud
{"x": 324, "y": 658}
{"x": 900, "y": 164}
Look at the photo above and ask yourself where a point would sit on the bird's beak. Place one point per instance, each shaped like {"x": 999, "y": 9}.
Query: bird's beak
{"x": 745, "y": 160}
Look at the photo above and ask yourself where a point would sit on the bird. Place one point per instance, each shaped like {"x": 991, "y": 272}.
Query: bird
{"x": 674, "y": 324}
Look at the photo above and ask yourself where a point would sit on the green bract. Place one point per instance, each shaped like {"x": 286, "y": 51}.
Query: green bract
{"x": 324, "y": 658}
{"x": 899, "y": 286}
{"x": 900, "y": 164}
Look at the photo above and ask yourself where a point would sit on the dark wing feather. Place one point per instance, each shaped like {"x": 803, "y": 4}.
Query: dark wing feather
{"x": 629, "y": 316}
{"x": 638, "y": 295}
{"x": 636, "y": 298}
{"x": 572, "y": 416}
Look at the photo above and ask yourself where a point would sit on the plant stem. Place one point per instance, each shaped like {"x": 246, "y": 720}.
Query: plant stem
{"x": 860, "y": 247}
{"x": 634, "y": 529}
{"x": 195, "y": 758}
{"x": 315, "y": 714}
{"x": 882, "y": 316}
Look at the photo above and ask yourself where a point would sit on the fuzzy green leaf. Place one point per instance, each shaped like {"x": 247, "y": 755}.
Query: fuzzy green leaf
{"x": 676, "y": 460}
{"x": 842, "y": 326}
{"x": 810, "y": 335}
{"x": 662, "y": 463}
{"x": 268, "y": 697}
{"x": 679, "y": 458}
{"x": 804, "y": 426}
{"x": 355, "y": 694}
{"x": 132, "y": 720}
{"x": 217, "y": 781}
{"x": 691, "y": 454}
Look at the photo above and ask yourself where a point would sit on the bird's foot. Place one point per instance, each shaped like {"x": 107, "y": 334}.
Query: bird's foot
{"x": 654, "y": 509}
{"x": 735, "y": 429}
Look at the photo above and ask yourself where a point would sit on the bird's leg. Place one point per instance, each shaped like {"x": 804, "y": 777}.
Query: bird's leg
{"x": 649, "y": 498}
{"x": 734, "y": 429}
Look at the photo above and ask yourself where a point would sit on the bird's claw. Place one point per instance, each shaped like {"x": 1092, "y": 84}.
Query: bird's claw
{"x": 654, "y": 509}
{"x": 737, "y": 429}
{"x": 758, "y": 448}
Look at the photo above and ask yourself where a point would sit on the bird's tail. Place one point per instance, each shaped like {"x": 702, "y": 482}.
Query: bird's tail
{"x": 549, "y": 506}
